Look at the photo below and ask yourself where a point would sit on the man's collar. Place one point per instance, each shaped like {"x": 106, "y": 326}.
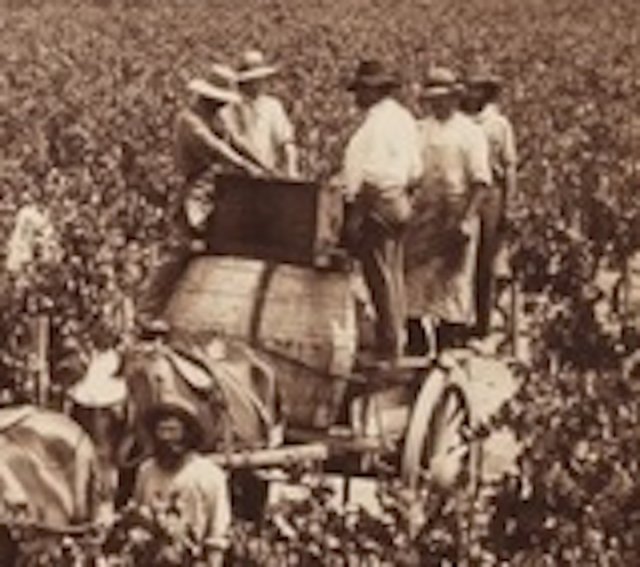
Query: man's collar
{"x": 380, "y": 105}
{"x": 489, "y": 109}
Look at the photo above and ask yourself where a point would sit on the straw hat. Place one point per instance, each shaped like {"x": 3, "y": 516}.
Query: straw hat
{"x": 371, "y": 73}
{"x": 173, "y": 406}
{"x": 483, "y": 78}
{"x": 441, "y": 81}
{"x": 254, "y": 67}
{"x": 221, "y": 85}
{"x": 100, "y": 387}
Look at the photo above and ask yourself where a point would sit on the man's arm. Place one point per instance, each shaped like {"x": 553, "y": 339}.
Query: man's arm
{"x": 478, "y": 169}
{"x": 219, "y": 148}
{"x": 285, "y": 138}
{"x": 291, "y": 159}
{"x": 217, "y": 538}
{"x": 510, "y": 159}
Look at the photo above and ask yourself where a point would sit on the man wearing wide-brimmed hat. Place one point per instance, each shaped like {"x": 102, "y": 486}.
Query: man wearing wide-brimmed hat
{"x": 259, "y": 120}
{"x": 204, "y": 148}
{"x": 204, "y": 145}
{"x": 180, "y": 479}
{"x": 443, "y": 238}
{"x": 381, "y": 163}
{"x": 482, "y": 92}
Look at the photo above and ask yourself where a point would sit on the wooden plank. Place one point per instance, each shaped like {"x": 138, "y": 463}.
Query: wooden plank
{"x": 264, "y": 458}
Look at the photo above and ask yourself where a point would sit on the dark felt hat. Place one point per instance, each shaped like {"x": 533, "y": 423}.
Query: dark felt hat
{"x": 371, "y": 73}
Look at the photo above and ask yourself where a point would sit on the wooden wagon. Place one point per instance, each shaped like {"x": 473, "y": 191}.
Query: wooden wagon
{"x": 275, "y": 279}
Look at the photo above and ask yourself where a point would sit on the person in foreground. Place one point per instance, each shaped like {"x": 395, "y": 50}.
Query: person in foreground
{"x": 179, "y": 480}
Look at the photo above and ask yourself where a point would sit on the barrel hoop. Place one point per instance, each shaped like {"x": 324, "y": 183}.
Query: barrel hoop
{"x": 257, "y": 311}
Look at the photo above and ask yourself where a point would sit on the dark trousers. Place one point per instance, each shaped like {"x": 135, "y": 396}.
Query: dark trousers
{"x": 381, "y": 253}
{"x": 170, "y": 269}
{"x": 491, "y": 219}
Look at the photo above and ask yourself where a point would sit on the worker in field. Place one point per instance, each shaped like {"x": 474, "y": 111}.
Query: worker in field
{"x": 381, "y": 164}
{"x": 185, "y": 489}
{"x": 259, "y": 121}
{"x": 204, "y": 148}
{"x": 482, "y": 92}
{"x": 443, "y": 237}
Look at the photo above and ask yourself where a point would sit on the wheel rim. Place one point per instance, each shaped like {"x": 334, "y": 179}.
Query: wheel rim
{"x": 446, "y": 452}
{"x": 436, "y": 446}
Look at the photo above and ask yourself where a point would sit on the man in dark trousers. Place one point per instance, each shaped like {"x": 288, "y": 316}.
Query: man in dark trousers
{"x": 381, "y": 163}
{"x": 482, "y": 92}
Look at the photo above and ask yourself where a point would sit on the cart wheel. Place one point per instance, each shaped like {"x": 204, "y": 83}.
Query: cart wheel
{"x": 435, "y": 443}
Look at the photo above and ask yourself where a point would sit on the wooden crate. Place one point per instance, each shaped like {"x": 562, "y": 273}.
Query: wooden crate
{"x": 295, "y": 222}
{"x": 303, "y": 319}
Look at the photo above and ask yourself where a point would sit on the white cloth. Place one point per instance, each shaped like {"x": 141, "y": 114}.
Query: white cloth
{"x": 262, "y": 126}
{"x": 33, "y": 231}
{"x": 384, "y": 152}
{"x": 455, "y": 154}
{"x": 502, "y": 142}
{"x": 199, "y": 492}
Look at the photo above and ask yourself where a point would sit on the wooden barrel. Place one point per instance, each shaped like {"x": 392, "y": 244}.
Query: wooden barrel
{"x": 302, "y": 319}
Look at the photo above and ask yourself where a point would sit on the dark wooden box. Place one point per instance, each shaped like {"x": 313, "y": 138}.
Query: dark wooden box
{"x": 296, "y": 222}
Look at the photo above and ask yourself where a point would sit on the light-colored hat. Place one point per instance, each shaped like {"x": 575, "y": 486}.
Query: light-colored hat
{"x": 221, "y": 86}
{"x": 441, "y": 81}
{"x": 173, "y": 406}
{"x": 254, "y": 67}
{"x": 484, "y": 79}
{"x": 100, "y": 387}
{"x": 208, "y": 90}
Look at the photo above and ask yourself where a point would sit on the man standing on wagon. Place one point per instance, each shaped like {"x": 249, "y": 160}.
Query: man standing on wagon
{"x": 203, "y": 147}
{"x": 482, "y": 90}
{"x": 259, "y": 121}
{"x": 381, "y": 163}
{"x": 443, "y": 237}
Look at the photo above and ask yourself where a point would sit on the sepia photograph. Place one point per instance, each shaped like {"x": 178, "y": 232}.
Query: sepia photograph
{"x": 319, "y": 283}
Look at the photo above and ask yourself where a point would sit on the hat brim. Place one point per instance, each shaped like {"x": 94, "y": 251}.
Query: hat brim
{"x": 163, "y": 410}
{"x": 484, "y": 81}
{"x": 211, "y": 92}
{"x": 257, "y": 73}
{"x": 441, "y": 91}
{"x": 108, "y": 393}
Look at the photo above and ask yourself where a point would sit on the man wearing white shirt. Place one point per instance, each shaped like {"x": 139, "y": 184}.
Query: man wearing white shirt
{"x": 259, "y": 120}
{"x": 481, "y": 102}
{"x": 444, "y": 235}
{"x": 381, "y": 163}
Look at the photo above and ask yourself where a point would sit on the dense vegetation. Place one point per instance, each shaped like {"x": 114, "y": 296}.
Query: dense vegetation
{"x": 88, "y": 91}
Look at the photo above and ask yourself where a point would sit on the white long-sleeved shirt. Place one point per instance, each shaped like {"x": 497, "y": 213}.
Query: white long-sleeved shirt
{"x": 262, "y": 126}
{"x": 502, "y": 142}
{"x": 455, "y": 154}
{"x": 384, "y": 152}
